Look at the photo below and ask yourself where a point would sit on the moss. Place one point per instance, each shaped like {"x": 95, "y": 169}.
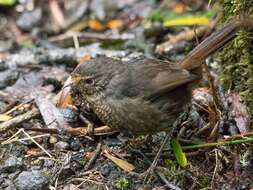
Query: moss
{"x": 237, "y": 59}
{"x": 175, "y": 174}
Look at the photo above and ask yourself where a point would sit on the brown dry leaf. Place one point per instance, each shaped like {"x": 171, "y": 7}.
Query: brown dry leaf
{"x": 4, "y": 117}
{"x": 126, "y": 166}
{"x": 65, "y": 96}
{"x": 179, "y": 8}
{"x": 95, "y": 25}
{"x": 115, "y": 24}
{"x": 240, "y": 113}
{"x": 35, "y": 152}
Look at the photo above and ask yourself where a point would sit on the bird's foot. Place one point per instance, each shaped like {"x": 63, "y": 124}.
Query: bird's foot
{"x": 90, "y": 125}
{"x": 136, "y": 142}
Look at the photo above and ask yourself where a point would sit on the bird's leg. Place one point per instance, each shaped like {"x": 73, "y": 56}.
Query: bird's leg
{"x": 135, "y": 142}
{"x": 90, "y": 125}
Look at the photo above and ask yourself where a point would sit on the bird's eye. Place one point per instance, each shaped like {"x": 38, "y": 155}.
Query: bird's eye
{"x": 89, "y": 81}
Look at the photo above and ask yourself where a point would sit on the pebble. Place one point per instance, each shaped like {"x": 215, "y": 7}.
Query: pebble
{"x": 11, "y": 164}
{"x": 32, "y": 180}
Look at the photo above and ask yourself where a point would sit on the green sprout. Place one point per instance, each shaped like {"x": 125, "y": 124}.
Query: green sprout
{"x": 122, "y": 183}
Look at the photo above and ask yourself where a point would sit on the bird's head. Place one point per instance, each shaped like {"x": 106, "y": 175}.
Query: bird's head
{"x": 91, "y": 78}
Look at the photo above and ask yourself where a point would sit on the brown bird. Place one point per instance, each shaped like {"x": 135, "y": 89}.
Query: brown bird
{"x": 147, "y": 95}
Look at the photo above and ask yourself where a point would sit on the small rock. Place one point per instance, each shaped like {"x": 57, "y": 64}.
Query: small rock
{"x": 53, "y": 140}
{"x": 75, "y": 144}
{"x": 30, "y": 19}
{"x": 11, "y": 164}
{"x": 2, "y": 106}
{"x": 69, "y": 114}
{"x": 105, "y": 170}
{"x": 8, "y": 78}
{"x": 32, "y": 180}
{"x": 61, "y": 145}
{"x": 48, "y": 163}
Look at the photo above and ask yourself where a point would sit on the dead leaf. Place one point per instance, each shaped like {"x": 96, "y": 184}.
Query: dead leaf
{"x": 123, "y": 164}
{"x": 4, "y": 117}
{"x": 35, "y": 152}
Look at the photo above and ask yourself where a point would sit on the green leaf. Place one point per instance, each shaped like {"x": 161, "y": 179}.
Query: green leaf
{"x": 178, "y": 152}
{"x": 7, "y": 2}
{"x": 187, "y": 21}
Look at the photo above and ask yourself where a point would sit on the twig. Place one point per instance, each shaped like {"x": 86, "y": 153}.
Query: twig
{"x": 84, "y": 36}
{"x": 185, "y": 35}
{"x": 35, "y": 142}
{"x": 11, "y": 138}
{"x": 239, "y": 136}
{"x": 23, "y": 139}
{"x": 7, "y": 125}
{"x": 19, "y": 106}
{"x": 78, "y": 131}
{"x": 216, "y": 166}
{"x": 171, "y": 186}
{"x": 29, "y": 137}
{"x": 220, "y": 143}
{"x": 159, "y": 174}
{"x": 94, "y": 157}
{"x": 9, "y": 106}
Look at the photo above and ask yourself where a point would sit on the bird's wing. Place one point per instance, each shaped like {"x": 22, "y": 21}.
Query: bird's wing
{"x": 152, "y": 78}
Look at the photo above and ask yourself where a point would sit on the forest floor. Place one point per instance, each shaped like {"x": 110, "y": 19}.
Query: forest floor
{"x": 44, "y": 137}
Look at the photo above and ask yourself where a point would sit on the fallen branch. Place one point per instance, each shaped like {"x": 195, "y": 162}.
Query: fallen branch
{"x": 7, "y": 125}
{"x": 103, "y": 130}
{"x": 185, "y": 35}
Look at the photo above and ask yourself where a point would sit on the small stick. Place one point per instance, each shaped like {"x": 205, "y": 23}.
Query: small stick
{"x": 94, "y": 157}
{"x": 219, "y": 143}
{"x": 7, "y": 125}
{"x": 159, "y": 174}
{"x": 24, "y": 139}
{"x": 12, "y": 138}
{"x": 35, "y": 142}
